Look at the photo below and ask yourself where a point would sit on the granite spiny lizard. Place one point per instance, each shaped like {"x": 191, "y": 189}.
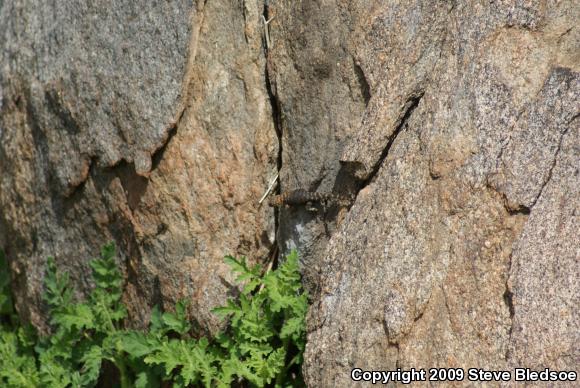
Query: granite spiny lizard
{"x": 302, "y": 197}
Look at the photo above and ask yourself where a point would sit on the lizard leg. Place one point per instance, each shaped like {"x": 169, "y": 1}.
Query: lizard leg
{"x": 341, "y": 215}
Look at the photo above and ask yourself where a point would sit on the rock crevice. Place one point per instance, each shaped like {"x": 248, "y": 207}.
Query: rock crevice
{"x": 160, "y": 125}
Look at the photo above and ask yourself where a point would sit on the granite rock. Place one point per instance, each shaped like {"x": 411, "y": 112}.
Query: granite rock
{"x": 146, "y": 123}
{"x": 461, "y": 249}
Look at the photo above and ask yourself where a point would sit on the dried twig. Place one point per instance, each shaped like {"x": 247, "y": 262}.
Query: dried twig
{"x": 267, "y": 31}
{"x": 272, "y": 184}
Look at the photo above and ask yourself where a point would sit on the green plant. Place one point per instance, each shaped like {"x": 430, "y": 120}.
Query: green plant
{"x": 268, "y": 321}
{"x": 85, "y": 333}
{"x": 17, "y": 358}
{"x": 263, "y": 344}
{"x": 266, "y": 337}
{"x": 5, "y": 295}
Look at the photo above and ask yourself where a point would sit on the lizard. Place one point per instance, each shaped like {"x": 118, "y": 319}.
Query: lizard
{"x": 302, "y": 197}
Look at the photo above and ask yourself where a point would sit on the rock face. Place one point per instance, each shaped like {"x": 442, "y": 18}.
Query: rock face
{"x": 144, "y": 123}
{"x": 454, "y": 124}
{"x": 461, "y": 249}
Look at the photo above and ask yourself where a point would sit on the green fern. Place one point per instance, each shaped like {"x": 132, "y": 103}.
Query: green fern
{"x": 262, "y": 345}
{"x": 18, "y": 366}
{"x": 264, "y": 341}
{"x": 267, "y": 322}
{"x": 6, "y": 309}
{"x": 17, "y": 360}
{"x": 85, "y": 333}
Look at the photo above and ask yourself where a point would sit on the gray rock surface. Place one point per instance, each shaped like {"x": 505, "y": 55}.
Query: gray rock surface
{"x": 94, "y": 71}
{"x": 321, "y": 93}
{"x": 147, "y": 123}
{"x": 455, "y": 125}
{"x": 461, "y": 249}
{"x": 545, "y": 261}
